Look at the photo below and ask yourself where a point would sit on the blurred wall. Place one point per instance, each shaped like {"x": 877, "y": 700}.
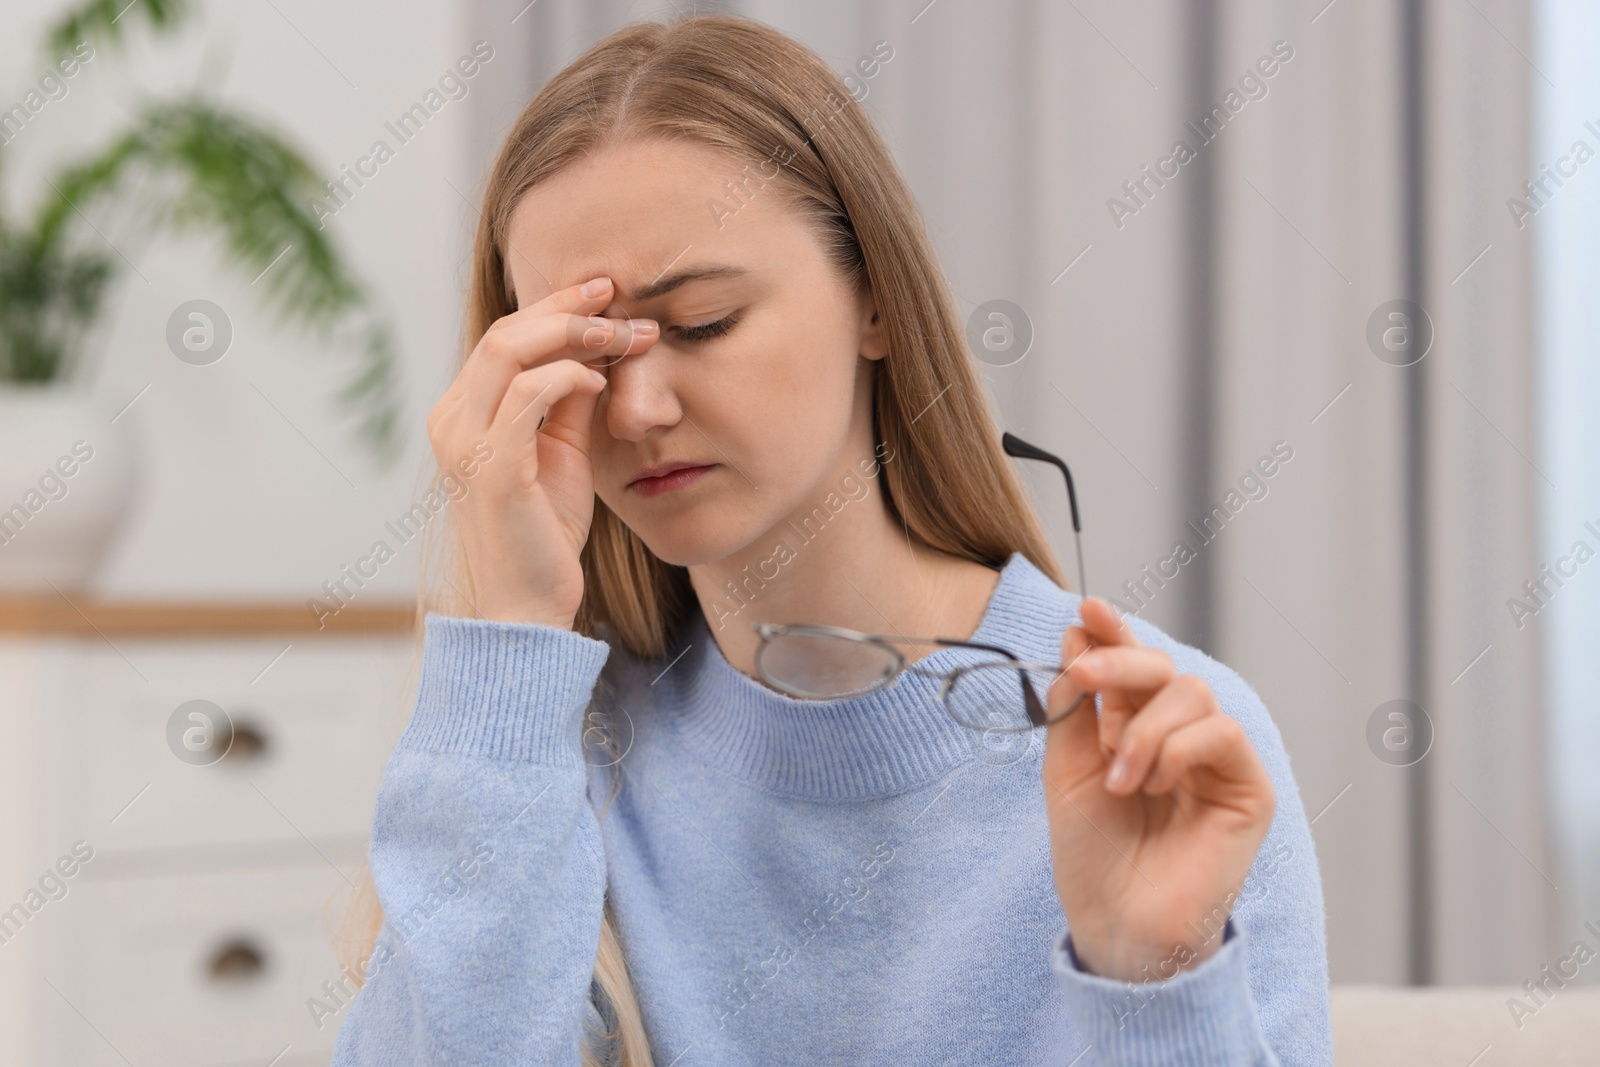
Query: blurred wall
{"x": 257, "y": 484}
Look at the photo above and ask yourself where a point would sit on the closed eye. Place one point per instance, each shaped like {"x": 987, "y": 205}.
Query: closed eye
{"x": 707, "y": 331}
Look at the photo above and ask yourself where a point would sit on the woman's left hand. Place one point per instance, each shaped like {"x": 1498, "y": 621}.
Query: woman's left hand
{"x": 1147, "y": 861}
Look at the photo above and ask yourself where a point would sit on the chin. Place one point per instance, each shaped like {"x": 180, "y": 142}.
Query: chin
{"x": 697, "y": 535}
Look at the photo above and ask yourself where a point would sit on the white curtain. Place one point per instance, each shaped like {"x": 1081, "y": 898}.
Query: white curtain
{"x": 1566, "y": 232}
{"x": 1386, "y": 570}
{"x": 1215, "y": 326}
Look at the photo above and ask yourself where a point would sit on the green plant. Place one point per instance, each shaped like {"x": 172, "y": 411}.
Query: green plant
{"x": 186, "y": 166}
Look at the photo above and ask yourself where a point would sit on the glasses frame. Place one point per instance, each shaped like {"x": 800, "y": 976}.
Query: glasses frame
{"x": 1037, "y": 714}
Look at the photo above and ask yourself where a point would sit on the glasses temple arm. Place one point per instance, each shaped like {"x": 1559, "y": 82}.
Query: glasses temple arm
{"x": 1020, "y": 449}
{"x": 1017, "y": 448}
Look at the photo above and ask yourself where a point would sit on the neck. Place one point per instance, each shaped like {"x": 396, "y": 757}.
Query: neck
{"x": 856, "y": 568}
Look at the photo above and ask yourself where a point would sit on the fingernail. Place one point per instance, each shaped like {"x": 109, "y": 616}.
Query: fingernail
{"x": 598, "y": 377}
{"x": 643, "y": 325}
{"x": 600, "y": 321}
{"x": 1118, "y": 774}
{"x": 594, "y": 287}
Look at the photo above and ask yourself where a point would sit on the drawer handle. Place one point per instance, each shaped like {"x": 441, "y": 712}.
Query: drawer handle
{"x": 248, "y": 743}
{"x": 236, "y": 960}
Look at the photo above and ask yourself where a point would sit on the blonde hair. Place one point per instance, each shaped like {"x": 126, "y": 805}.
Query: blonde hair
{"x": 736, "y": 85}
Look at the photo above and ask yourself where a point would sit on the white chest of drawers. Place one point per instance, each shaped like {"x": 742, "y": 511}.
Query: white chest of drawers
{"x": 198, "y": 930}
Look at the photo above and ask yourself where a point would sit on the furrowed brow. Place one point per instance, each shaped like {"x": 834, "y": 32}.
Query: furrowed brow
{"x": 666, "y": 283}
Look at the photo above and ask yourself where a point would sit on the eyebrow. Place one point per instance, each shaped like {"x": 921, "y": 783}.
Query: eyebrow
{"x": 668, "y": 282}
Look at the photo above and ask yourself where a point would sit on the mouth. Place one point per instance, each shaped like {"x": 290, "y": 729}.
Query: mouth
{"x": 666, "y": 477}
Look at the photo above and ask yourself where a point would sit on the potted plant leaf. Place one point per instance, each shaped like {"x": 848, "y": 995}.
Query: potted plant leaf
{"x": 68, "y": 467}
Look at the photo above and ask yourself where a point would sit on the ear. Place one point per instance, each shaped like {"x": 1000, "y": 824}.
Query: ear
{"x": 874, "y": 343}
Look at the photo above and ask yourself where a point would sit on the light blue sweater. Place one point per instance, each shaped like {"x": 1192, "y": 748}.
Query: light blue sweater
{"x": 859, "y": 881}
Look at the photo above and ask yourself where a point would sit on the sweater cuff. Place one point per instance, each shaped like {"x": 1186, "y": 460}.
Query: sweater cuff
{"x": 1202, "y": 1015}
{"x": 503, "y": 690}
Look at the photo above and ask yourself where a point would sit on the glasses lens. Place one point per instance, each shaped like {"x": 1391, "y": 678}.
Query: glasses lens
{"x": 821, "y": 667}
{"x": 990, "y": 696}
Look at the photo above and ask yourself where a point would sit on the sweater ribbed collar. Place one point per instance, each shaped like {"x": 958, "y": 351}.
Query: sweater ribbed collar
{"x": 886, "y": 742}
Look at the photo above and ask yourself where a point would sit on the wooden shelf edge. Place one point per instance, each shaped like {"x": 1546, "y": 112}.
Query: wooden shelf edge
{"x": 52, "y": 614}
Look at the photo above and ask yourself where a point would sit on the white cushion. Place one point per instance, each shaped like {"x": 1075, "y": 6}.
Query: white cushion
{"x": 1380, "y": 1026}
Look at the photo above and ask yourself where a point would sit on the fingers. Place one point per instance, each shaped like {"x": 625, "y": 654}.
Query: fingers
{"x": 509, "y": 348}
{"x": 565, "y": 324}
{"x": 1186, "y": 699}
{"x": 607, "y": 340}
{"x": 1126, "y": 678}
{"x": 1104, "y": 624}
{"x": 529, "y": 399}
{"x": 1141, "y": 670}
{"x": 1072, "y": 754}
{"x": 1219, "y": 745}
{"x": 587, "y": 329}
{"x": 1103, "y": 655}
{"x": 1064, "y": 688}
{"x": 1155, "y": 728}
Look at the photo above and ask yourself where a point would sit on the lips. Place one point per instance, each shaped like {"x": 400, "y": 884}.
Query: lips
{"x": 666, "y": 477}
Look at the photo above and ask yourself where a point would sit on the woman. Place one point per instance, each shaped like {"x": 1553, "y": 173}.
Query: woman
{"x": 715, "y": 378}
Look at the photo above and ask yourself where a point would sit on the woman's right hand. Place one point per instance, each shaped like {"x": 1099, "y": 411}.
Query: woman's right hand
{"x": 527, "y": 392}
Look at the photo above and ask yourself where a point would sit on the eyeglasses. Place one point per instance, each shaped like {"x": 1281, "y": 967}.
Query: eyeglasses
{"x": 999, "y": 693}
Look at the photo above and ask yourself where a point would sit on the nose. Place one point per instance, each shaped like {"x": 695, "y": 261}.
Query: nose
{"x": 641, "y": 395}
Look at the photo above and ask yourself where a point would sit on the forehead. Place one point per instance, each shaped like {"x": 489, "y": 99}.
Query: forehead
{"x": 635, "y": 209}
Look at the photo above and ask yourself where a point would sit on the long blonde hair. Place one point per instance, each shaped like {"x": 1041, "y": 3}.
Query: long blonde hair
{"x": 736, "y": 85}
